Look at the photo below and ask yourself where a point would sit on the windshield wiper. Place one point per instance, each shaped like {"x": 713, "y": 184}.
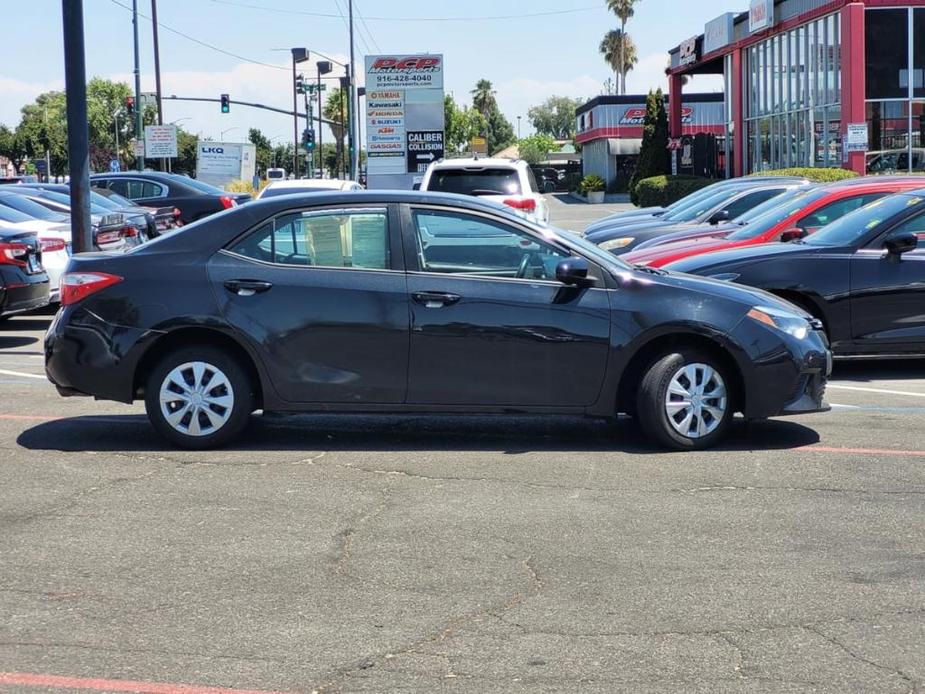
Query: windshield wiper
{"x": 650, "y": 270}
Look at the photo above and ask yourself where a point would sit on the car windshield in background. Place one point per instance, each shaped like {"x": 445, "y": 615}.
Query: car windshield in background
{"x": 274, "y": 191}
{"x": 772, "y": 204}
{"x": 31, "y": 208}
{"x": 692, "y": 212}
{"x": 63, "y": 199}
{"x": 856, "y": 225}
{"x": 200, "y": 186}
{"x": 778, "y": 214}
{"x": 107, "y": 203}
{"x": 119, "y": 200}
{"x": 7, "y": 214}
{"x": 475, "y": 182}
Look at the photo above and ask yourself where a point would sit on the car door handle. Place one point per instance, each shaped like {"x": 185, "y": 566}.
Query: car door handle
{"x": 435, "y": 299}
{"x": 247, "y": 287}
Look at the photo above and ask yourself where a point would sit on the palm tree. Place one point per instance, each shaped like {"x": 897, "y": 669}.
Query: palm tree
{"x": 483, "y": 97}
{"x": 335, "y": 109}
{"x": 624, "y": 10}
{"x": 614, "y": 46}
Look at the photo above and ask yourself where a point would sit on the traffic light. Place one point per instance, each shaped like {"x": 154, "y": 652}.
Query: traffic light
{"x": 130, "y": 105}
{"x": 300, "y": 84}
{"x": 226, "y": 103}
{"x": 308, "y": 139}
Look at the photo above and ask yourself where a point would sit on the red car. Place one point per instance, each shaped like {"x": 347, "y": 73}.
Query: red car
{"x": 793, "y": 220}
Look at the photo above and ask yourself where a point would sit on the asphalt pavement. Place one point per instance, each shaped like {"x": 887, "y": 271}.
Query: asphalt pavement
{"x": 361, "y": 554}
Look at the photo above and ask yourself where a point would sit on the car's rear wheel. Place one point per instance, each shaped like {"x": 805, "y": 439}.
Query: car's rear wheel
{"x": 685, "y": 400}
{"x": 199, "y": 397}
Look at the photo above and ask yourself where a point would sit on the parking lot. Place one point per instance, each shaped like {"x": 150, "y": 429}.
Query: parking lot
{"x": 360, "y": 554}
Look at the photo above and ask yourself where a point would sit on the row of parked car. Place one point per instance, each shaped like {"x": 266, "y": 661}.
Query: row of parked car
{"x": 126, "y": 210}
{"x": 851, "y": 253}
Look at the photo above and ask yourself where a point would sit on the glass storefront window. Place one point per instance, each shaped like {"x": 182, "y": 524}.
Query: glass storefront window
{"x": 918, "y": 53}
{"x": 887, "y": 61}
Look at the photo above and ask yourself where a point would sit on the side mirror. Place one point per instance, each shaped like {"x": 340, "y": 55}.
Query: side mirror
{"x": 574, "y": 272}
{"x": 719, "y": 217}
{"x": 902, "y": 242}
{"x": 794, "y": 234}
{"x": 416, "y": 186}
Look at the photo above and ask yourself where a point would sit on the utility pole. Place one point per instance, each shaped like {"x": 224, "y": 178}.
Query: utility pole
{"x": 139, "y": 135}
{"x": 47, "y": 150}
{"x": 78, "y": 138}
{"x": 298, "y": 55}
{"x": 115, "y": 119}
{"x": 165, "y": 163}
{"x": 344, "y": 91}
{"x": 354, "y": 150}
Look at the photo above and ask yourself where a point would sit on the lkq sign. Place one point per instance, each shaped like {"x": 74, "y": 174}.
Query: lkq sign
{"x": 687, "y": 52}
{"x": 760, "y": 15}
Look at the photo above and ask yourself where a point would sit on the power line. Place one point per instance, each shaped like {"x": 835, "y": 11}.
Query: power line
{"x": 527, "y": 15}
{"x": 201, "y": 43}
{"x": 366, "y": 26}
{"x": 347, "y": 26}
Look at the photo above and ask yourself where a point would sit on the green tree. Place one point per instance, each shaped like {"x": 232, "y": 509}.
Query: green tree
{"x": 461, "y": 125}
{"x": 653, "y": 155}
{"x": 264, "y": 150}
{"x": 185, "y": 163}
{"x": 536, "y": 148}
{"x": 618, "y": 48}
{"x": 500, "y": 131}
{"x": 483, "y": 98}
{"x": 336, "y": 109}
{"x": 555, "y": 117}
{"x": 11, "y": 146}
{"x": 624, "y": 9}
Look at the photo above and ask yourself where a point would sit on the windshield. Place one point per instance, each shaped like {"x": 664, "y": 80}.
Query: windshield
{"x": 63, "y": 199}
{"x": 777, "y": 214}
{"x": 589, "y": 249}
{"x": 119, "y": 200}
{"x": 772, "y": 204}
{"x": 494, "y": 181}
{"x": 30, "y": 208}
{"x": 105, "y": 202}
{"x": 692, "y": 212}
{"x": 853, "y": 227}
{"x": 8, "y": 214}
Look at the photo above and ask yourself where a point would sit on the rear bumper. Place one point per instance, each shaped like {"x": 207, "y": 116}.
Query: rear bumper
{"x": 22, "y": 292}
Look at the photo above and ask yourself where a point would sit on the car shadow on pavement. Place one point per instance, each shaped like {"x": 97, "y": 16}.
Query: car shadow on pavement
{"x": 11, "y": 342}
{"x": 864, "y": 371}
{"x": 511, "y": 435}
{"x": 22, "y": 323}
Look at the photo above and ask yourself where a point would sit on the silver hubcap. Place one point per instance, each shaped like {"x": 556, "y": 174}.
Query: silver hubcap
{"x": 696, "y": 400}
{"x": 196, "y": 399}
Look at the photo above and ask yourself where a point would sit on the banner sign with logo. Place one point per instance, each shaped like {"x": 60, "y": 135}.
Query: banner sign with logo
{"x": 760, "y": 15}
{"x": 404, "y": 117}
{"x": 718, "y": 33}
{"x": 687, "y": 53}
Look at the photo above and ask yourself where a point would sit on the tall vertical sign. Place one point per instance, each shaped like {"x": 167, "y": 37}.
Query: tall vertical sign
{"x": 404, "y": 117}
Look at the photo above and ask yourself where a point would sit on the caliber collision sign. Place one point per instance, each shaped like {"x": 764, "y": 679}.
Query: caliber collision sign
{"x": 404, "y": 117}
{"x": 423, "y": 148}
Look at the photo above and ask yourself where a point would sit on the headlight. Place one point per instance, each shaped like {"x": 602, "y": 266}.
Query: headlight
{"x": 786, "y": 322}
{"x": 726, "y": 276}
{"x": 614, "y": 244}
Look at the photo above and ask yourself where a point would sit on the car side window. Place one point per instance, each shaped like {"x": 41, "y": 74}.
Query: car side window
{"x": 916, "y": 225}
{"x": 835, "y": 210}
{"x": 748, "y": 201}
{"x": 151, "y": 190}
{"x": 333, "y": 238}
{"x": 120, "y": 185}
{"x": 463, "y": 244}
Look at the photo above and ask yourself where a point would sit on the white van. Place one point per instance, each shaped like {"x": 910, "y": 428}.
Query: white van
{"x": 276, "y": 174}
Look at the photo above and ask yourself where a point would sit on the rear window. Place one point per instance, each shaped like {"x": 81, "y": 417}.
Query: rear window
{"x": 487, "y": 181}
{"x": 30, "y": 208}
{"x": 274, "y": 191}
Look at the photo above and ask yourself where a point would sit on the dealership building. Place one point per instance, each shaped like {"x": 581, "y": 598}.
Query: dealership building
{"x": 823, "y": 83}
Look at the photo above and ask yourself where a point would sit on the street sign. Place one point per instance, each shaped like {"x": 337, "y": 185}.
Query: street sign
{"x": 41, "y": 166}
{"x": 148, "y": 99}
{"x": 114, "y": 165}
{"x": 856, "y": 138}
{"x": 478, "y": 145}
{"x": 424, "y": 147}
{"x": 160, "y": 141}
{"x": 314, "y": 87}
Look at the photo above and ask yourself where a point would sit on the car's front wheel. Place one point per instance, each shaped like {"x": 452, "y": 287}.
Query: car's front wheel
{"x": 199, "y": 397}
{"x": 685, "y": 400}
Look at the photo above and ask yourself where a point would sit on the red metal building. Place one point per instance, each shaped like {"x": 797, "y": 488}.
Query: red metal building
{"x": 806, "y": 80}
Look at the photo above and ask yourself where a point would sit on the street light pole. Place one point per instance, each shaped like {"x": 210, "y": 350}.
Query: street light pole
{"x": 518, "y": 127}
{"x": 165, "y": 163}
{"x": 115, "y": 118}
{"x": 139, "y": 161}
{"x": 298, "y": 55}
{"x": 78, "y": 138}
{"x": 354, "y": 150}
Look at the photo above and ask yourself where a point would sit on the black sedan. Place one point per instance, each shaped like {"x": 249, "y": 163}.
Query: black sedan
{"x": 419, "y": 302}
{"x": 193, "y": 198}
{"x": 23, "y": 281}
{"x": 862, "y": 276}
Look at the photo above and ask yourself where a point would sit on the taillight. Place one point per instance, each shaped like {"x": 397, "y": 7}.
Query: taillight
{"x": 108, "y": 237}
{"x": 129, "y": 232}
{"x": 77, "y": 286}
{"x": 176, "y": 213}
{"x": 228, "y": 202}
{"x": 526, "y": 204}
{"x": 52, "y": 245}
{"x": 13, "y": 254}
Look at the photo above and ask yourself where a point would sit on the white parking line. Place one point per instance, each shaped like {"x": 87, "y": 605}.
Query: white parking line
{"x": 4, "y": 372}
{"x": 877, "y": 390}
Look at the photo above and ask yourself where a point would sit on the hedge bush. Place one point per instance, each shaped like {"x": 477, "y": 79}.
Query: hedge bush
{"x": 660, "y": 191}
{"x": 813, "y": 174}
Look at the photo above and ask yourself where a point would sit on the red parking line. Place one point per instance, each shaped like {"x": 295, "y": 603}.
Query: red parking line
{"x": 30, "y": 679}
{"x": 864, "y": 451}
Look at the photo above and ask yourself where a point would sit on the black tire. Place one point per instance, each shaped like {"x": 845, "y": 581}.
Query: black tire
{"x": 652, "y": 408}
{"x": 234, "y": 418}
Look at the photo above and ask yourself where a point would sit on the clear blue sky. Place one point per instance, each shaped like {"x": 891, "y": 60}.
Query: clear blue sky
{"x": 527, "y": 58}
